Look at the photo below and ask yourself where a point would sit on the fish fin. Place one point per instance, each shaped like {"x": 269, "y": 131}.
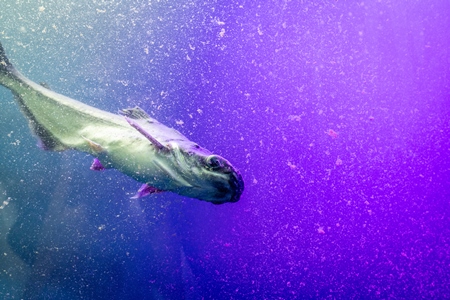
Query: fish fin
{"x": 96, "y": 147}
{"x": 46, "y": 140}
{"x": 5, "y": 65}
{"x": 97, "y": 165}
{"x": 45, "y": 84}
{"x": 149, "y": 127}
{"x": 137, "y": 113}
{"x": 146, "y": 190}
{"x": 147, "y": 135}
{"x": 138, "y": 118}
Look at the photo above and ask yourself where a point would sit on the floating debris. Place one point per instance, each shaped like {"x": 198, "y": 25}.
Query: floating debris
{"x": 332, "y": 133}
{"x": 5, "y": 203}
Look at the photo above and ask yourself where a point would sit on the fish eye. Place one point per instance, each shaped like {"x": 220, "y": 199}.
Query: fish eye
{"x": 214, "y": 162}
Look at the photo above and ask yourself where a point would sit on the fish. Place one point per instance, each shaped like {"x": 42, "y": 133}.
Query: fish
{"x": 157, "y": 156}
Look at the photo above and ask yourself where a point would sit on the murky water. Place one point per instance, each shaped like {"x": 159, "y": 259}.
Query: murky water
{"x": 337, "y": 115}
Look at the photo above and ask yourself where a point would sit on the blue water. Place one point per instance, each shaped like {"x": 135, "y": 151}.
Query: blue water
{"x": 337, "y": 114}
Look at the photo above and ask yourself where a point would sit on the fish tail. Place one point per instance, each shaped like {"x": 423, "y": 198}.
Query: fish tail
{"x": 6, "y": 67}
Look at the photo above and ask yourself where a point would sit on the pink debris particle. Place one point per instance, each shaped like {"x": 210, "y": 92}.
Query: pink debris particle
{"x": 332, "y": 133}
{"x": 320, "y": 230}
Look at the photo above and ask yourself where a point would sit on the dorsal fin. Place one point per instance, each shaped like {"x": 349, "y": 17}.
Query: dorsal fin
{"x": 45, "y": 84}
{"x": 136, "y": 113}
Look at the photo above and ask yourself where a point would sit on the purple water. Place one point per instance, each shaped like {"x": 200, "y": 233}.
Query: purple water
{"x": 336, "y": 113}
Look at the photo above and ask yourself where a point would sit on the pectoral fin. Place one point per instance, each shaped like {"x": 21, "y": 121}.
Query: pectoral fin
{"x": 96, "y": 147}
{"x": 147, "y": 135}
{"x": 146, "y": 190}
{"x": 136, "y": 115}
{"x": 97, "y": 165}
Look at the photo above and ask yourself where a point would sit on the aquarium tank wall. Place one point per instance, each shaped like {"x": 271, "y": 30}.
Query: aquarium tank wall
{"x": 336, "y": 115}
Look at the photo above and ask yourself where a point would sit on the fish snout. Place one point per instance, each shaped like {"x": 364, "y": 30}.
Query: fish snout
{"x": 237, "y": 186}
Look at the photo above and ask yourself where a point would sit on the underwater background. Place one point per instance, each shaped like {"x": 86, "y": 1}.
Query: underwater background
{"x": 337, "y": 114}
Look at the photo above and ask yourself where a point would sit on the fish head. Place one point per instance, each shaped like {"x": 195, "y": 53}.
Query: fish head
{"x": 211, "y": 177}
{"x": 181, "y": 165}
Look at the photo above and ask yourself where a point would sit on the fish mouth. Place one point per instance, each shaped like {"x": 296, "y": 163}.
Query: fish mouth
{"x": 237, "y": 186}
